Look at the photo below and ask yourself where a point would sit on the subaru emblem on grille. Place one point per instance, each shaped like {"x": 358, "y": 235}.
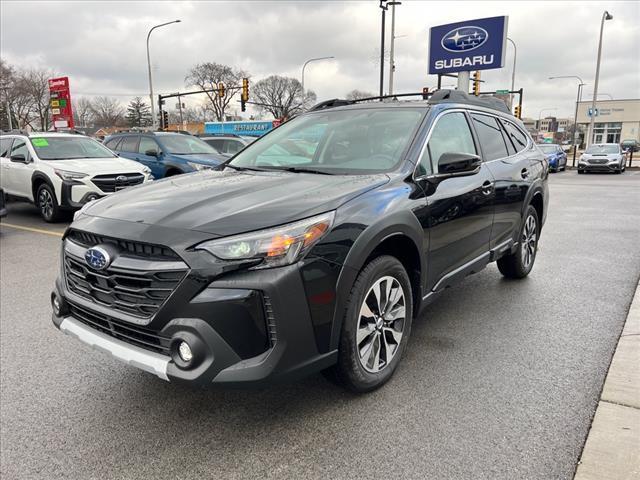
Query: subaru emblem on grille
{"x": 121, "y": 179}
{"x": 97, "y": 258}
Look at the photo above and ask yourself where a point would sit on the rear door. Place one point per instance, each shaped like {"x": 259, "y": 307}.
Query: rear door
{"x": 504, "y": 150}
{"x": 460, "y": 209}
{"x": 5, "y": 163}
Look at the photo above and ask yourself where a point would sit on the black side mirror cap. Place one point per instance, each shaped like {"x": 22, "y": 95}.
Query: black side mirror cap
{"x": 152, "y": 153}
{"x": 19, "y": 158}
{"x": 455, "y": 163}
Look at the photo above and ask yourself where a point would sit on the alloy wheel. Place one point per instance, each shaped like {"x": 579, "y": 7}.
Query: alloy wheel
{"x": 46, "y": 203}
{"x": 381, "y": 324}
{"x": 529, "y": 239}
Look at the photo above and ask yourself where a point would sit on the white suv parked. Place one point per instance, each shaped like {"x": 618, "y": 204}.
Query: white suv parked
{"x": 63, "y": 171}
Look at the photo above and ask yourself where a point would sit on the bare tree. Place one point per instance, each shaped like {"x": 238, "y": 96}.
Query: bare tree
{"x": 282, "y": 97}
{"x": 35, "y": 82}
{"x": 358, "y": 94}
{"x": 107, "y": 112}
{"x": 208, "y": 75}
{"x": 82, "y": 111}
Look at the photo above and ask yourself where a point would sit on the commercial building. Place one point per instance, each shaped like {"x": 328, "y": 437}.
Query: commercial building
{"x": 616, "y": 120}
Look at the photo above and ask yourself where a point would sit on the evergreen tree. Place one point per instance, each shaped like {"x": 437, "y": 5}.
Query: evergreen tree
{"x": 138, "y": 113}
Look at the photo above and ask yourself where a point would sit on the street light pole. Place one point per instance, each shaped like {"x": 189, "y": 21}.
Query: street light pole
{"x": 392, "y": 65}
{"x": 513, "y": 73}
{"x": 384, "y": 7}
{"x": 605, "y": 16}
{"x": 309, "y": 61}
{"x": 153, "y": 109}
{"x": 575, "y": 116}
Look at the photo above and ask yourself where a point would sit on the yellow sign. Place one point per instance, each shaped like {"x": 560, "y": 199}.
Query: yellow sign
{"x": 55, "y": 103}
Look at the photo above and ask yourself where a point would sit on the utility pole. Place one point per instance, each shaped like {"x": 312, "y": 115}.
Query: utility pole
{"x": 392, "y": 65}
{"x": 605, "y": 16}
{"x": 384, "y": 7}
{"x": 513, "y": 73}
{"x": 180, "y": 110}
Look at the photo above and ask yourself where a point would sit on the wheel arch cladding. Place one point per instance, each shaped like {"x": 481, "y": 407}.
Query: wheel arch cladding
{"x": 538, "y": 203}
{"x": 400, "y": 235}
{"x": 38, "y": 179}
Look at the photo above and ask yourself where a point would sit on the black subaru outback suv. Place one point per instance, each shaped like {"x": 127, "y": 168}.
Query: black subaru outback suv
{"x": 312, "y": 249}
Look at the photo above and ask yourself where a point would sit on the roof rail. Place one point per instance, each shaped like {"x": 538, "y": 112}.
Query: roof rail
{"x": 435, "y": 97}
{"x": 16, "y": 131}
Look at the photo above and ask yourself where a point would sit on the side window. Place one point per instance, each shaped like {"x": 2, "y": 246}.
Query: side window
{"x": 518, "y": 138}
{"x": 129, "y": 144}
{"x": 20, "y": 148}
{"x": 112, "y": 143}
{"x": 490, "y": 136}
{"x": 451, "y": 133}
{"x": 217, "y": 144}
{"x": 233, "y": 146}
{"x": 5, "y": 146}
{"x": 147, "y": 144}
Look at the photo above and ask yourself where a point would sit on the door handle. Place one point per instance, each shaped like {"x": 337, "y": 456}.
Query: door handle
{"x": 524, "y": 173}
{"x": 487, "y": 187}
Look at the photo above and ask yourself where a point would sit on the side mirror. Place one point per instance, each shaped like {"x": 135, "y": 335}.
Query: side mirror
{"x": 151, "y": 153}
{"x": 18, "y": 158}
{"x": 458, "y": 164}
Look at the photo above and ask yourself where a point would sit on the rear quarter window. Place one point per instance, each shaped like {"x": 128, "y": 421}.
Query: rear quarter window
{"x": 5, "y": 146}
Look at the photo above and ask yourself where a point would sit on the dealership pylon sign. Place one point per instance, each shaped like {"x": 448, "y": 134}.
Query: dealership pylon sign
{"x": 60, "y": 103}
{"x": 465, "y": 46}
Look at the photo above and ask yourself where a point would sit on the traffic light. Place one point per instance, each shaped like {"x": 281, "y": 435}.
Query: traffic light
{"x": 476, "y": 83}
{"x": 244, "y": 96}
{"x": 425, "y": 93}
{"x": 221, "y": 90}
{"x": 516, "y": 111}
{"x": 165, "y": 120}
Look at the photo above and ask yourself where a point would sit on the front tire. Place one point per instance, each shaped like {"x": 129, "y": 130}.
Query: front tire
{"x": 375, "y": 327}
{"x": 520, "y": 263}
{"x": 47, "y": 204}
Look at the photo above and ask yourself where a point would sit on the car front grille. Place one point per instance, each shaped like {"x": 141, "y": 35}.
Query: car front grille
{"x": 597, "y": 161}
{"x": 114, "y": 182}
{"x": 140, "y": 337}
{"x": 134, "y": 292}
{"x": 137, "y": 282}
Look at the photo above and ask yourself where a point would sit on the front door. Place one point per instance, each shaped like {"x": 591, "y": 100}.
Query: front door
{"x": 148, "y": 145}
{"x": 459, "y": 209}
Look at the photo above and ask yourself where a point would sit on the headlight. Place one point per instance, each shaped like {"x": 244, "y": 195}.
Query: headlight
{"x": 582, "y": 159}
{"x": 146, "y": 170}
{"x": 614, "y": 160}
{"x": 200, "y": 166}
{"x": 275, "y": 246}
{"x": 67, "y": 175}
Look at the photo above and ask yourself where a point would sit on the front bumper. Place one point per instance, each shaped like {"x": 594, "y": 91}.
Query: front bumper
{"x": 599, "y": 167}
{"x": 249, "y": 327}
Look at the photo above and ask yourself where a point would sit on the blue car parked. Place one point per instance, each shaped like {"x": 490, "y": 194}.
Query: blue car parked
{"x": 166, "y": 153}
{"x": 556, "y": 157}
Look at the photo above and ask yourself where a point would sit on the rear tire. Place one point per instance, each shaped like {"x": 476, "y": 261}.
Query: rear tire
{"x": 376, "y": 326}
{"x": 520, "y": 263}
{"x": 47, "y": 204}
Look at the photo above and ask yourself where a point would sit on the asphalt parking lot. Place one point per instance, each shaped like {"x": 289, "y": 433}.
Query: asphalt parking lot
{"x": 500, "y": 381}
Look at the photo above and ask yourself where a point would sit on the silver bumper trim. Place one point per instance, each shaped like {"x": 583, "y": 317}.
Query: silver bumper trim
{"x": 130, "y": 354}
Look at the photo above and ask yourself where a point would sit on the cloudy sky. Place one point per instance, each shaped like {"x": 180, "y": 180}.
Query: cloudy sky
{"x": 101, "y": 45}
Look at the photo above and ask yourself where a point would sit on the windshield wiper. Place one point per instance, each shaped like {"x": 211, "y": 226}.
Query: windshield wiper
{"x": 240, "y": 169}
{"x": 300, "y": 170}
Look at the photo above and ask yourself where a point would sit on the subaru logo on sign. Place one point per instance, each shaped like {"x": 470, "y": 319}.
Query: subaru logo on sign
{"x": 464, "y": 39}
{"x": 97, "y": 258}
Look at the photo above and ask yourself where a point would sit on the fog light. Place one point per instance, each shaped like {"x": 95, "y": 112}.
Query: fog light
{"x": 184, "y": 350}
{"x": 57, "y": 307}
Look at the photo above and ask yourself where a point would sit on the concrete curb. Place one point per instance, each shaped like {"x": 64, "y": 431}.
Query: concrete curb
{"x": 612, "y": 449}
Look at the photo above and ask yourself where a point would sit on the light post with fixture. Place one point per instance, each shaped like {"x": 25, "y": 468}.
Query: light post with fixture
{"x": 575, "y": 116}
{"x": 153, "y": 110}
{"x": 605, "y": 16}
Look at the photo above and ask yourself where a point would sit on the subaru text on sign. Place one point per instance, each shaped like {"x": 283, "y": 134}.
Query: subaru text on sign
{"x": 471, "y": 45}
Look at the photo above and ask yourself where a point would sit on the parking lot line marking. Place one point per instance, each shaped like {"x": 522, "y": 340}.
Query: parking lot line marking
{"x": 30, "y": 229}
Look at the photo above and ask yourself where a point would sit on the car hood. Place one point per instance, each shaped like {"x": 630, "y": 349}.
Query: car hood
{"x": 95, "y": 166}
{"x": 206, "y": 158}
{"x": 228, "y": 202}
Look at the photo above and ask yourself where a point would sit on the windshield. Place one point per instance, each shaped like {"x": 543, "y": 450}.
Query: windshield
{"x": 601, "y": 149}
{"x": 69, "y": 148}
{"x": 184, "y": 145}
{"x": 348, "y": 141}
{"x": 548, "y": 148}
